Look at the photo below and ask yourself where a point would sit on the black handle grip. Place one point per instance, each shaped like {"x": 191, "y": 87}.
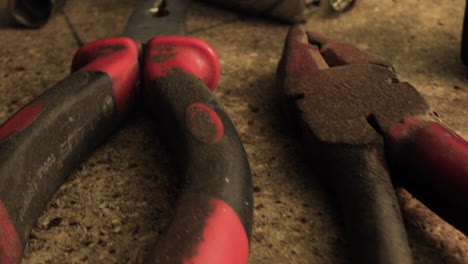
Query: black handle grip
{"x": 363, "y": 189}
{"x": 213, "y": 218}
{"x": 43, "y": 142}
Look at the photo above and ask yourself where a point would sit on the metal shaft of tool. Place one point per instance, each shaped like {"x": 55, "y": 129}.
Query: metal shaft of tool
{"x": 156, "y": 18}
{"x": 369, "y": 206}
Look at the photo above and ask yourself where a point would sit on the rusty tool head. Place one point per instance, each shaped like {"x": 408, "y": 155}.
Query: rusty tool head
{"x": 342, "y": 94}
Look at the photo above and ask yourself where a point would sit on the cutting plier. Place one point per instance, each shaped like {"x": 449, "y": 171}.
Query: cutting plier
{"x": 42, "y": 143}
{"x": 361, "y": 125}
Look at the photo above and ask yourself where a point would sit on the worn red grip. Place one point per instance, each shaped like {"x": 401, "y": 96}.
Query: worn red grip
{"x": 190, "y": 55}
{"x": 11, "y": 250}
{"x": 224, "y": 238}
{"x": 439, "y": 160}
{"x": 118, "y": 57}
{"x": 213, "y": 219}
{"x": 44, "y": 141}
{"x": 205, "y": 230}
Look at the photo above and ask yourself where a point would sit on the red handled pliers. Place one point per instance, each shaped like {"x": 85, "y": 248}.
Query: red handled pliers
{"x": 361, "y": 125}
{"x": 44, "y": 141}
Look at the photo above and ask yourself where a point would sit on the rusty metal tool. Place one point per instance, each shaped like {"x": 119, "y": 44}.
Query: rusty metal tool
{"x": 42, "y": 143}
{"x": 356, "y": 119}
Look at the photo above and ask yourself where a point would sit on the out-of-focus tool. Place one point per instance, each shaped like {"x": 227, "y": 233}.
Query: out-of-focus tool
{"x": 43, "y": 142}
{"x": 341, "y": 5}
{"x": 290, "y": 11}
{"x": 34, "y": 13}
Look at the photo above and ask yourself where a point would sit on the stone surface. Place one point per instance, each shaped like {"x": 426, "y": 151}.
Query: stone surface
{"x": 116, "y": 203}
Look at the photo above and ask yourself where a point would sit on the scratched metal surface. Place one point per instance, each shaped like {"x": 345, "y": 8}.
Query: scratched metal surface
{"x": 117, "y": 202}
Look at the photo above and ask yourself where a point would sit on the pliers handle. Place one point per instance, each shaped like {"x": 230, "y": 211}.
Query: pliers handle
{"x": 44, "y": 142}
{"x": 432, "y": 163}
{"x": 356, "y": 118}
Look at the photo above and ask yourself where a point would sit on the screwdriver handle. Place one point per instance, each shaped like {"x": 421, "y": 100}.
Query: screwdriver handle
{"x": 43, "y": 142}
{"x": 433, "y": 162}
{"x": 213, "y": 217}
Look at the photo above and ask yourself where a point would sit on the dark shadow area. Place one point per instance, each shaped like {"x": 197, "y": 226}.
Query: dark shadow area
{"x": 6, "y": 20}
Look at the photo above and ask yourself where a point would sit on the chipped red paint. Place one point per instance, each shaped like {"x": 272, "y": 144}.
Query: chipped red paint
{"x": 20, "y": 120}
{"x": 118, "y": 57}
{"x": 10, "y": 244}
{"x": 191, "y": 55}
{"x": 224, "y": 238}
{"x": 440, "y": 154}
{"x": 204, "y": 123}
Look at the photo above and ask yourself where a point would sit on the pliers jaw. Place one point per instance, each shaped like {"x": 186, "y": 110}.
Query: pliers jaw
{"x": 357, "y": 120}
{"x": 312, "y": 51}
{"x": 343, "y": 94}
{"x": 343, "y": 100}
{"x": 337, "y": 53}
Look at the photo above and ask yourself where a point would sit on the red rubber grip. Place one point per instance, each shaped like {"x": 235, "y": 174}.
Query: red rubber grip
{"x": 20, "y": 120}
{"x": 438, "y": 154}
{"x": 11, "y": 251}
{"x": 204, "y": 123}
{"x": 190, "y": 55}
{"x": 224, "y": 238}
{"x": 118, "y": 57}
{"x": 204, "y": 230}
